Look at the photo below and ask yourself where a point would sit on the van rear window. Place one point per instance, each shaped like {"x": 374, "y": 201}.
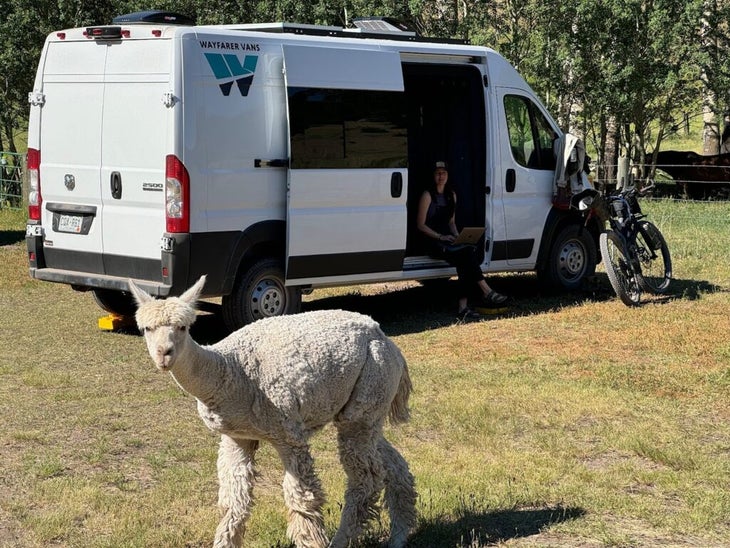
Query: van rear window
{"x": 347, "y": 129}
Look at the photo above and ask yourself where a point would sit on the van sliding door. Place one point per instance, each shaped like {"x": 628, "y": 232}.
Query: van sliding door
{"x": 346, "y": 203}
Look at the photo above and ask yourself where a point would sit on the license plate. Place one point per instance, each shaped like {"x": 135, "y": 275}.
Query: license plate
{"x": 33, "y": 230}
{"x": 70, "y": 223}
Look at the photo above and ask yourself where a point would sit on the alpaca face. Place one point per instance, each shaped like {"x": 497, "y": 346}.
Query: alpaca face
{"x": 165, "y": 343}
{"x": 165, "y": 323}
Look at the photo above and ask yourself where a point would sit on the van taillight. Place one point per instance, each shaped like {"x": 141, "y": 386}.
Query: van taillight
{"x": 177, "y": 196}
{"x": 34, "y": 184}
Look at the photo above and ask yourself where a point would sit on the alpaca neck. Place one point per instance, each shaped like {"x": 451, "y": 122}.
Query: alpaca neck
{"x": 198, "y": 370}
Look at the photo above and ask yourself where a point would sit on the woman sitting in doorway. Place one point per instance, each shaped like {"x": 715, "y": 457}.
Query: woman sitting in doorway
{"x": 437, "y": 221}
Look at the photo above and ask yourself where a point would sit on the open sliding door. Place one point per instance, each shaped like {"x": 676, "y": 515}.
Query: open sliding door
{"x": 346, "y": 204}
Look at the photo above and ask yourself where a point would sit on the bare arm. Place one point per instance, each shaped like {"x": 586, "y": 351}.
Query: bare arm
{"x": 423, "y": 205}
{"x": 452, "y": 221}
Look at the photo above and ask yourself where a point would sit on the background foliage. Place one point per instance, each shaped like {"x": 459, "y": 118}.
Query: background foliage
{"x": 622, "y": 73}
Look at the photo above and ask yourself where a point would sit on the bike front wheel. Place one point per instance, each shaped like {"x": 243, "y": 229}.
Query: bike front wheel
{"x": 653, "y": 253}
{"x": 618, "y": 268}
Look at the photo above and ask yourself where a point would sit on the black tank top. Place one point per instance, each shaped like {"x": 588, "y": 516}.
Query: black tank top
{"x": 439, "y": 213}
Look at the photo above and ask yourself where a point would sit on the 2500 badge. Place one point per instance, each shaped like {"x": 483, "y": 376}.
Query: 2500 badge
{"x": 152, "y": 187}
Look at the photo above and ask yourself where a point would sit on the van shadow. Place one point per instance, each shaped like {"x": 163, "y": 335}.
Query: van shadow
{"x": 432, "y": 306}
{"x": 418, "y": 308}
{"x": 10, "y": 237}
{"x": 480, "y": 529}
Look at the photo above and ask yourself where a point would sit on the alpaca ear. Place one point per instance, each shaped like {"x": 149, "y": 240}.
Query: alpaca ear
{"x": 140, "y": 295}
{"x": 192, "y": 294}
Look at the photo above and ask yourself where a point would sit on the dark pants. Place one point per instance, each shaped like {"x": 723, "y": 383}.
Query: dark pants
{"x": 464, "y": 258}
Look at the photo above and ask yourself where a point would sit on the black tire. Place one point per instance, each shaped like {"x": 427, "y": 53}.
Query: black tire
{"x": 654, "y": 258}
{"x": 120, "y": 303}
{"x": 618, "y": 269}
{"x": 571, "y": 260}
{"x": 259, "y": 293}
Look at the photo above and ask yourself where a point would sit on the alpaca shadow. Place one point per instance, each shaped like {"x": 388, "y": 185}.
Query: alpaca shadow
{"x": 479, "y": 529}
{"x": 11, "y": 237}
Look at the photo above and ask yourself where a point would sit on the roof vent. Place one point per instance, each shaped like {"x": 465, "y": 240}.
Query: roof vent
{"x": 156, "y": 17}
{"x": 380, "y": 25}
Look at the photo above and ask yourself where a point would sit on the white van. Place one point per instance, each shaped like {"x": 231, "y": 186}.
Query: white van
{"x": 276, "y": 158}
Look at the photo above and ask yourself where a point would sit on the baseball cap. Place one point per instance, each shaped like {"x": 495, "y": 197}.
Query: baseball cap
{"x": 441, "y": 165}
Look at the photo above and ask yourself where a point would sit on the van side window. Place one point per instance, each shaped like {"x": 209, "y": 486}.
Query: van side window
{"x": 347, "y": 129}
{"x": 530, "y": 134}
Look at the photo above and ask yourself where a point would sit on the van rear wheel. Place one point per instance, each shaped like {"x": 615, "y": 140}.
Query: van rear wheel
{"x": 116, "y": 302}
{"x": 259, "y": 293}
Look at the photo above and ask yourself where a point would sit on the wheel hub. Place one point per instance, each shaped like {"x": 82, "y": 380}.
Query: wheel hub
{"x": 572, "y": 260}
{"x": 268, "y": 299}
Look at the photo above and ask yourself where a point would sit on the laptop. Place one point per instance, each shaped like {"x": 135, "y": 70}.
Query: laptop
{"x": 469, "y": 235}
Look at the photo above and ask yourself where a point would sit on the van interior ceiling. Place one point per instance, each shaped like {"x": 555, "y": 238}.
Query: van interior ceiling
{"x": 446, "y": 121}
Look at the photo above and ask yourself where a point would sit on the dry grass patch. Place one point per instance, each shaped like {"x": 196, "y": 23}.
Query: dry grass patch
{"x": 571, "y": 421}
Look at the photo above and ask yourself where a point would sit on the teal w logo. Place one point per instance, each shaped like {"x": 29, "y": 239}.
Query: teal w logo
{"x": 226, "y": 66}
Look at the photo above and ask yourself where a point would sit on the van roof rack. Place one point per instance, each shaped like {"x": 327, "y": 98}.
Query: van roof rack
{"x": 381, "y": 24}
{"x": 154, "y": 17}
{"x": 366, "y": 27}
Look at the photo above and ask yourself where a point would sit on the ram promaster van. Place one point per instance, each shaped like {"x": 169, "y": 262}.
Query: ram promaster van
{"x": 277, "y": 158}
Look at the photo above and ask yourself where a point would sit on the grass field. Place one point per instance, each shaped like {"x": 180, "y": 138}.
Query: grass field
{"x": 571, "y": 421}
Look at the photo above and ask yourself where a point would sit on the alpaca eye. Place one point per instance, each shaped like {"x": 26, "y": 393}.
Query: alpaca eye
{"x": 182, "y": 327}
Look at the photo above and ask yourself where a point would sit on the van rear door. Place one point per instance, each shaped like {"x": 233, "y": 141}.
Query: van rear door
{"x": 104, "y": 133}
{"x": 346, "y": 202}
{"x": 135, "y": 139}
{"x": 70, "y": 143}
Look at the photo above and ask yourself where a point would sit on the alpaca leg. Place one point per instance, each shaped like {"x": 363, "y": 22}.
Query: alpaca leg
{"x": 235, "y": 489}
{"x": 358, "y": 445}
{"x": 303, "y": 497}
{"x": 400, "y": 494}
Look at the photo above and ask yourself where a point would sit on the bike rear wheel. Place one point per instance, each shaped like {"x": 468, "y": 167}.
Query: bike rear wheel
{"x": 656, "y": 264}
{"x": 618, "y": 269}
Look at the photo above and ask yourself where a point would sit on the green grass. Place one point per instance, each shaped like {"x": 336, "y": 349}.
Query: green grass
{"x": 571, "y": 421}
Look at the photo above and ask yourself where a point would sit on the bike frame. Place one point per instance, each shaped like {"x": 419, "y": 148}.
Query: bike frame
{"x": 624, "y": 222}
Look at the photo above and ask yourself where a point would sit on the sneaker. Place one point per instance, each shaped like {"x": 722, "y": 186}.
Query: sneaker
{"x": 467, "y": 315}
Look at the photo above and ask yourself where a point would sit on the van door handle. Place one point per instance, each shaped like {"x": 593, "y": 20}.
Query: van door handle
{"x": 396, "y": 184}
{"x": 510, "y": 181}
{"x": 278, "y": 162}
{"x": 116, "y": 184}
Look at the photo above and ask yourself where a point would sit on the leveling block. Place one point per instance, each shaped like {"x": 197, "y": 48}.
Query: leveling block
{"x": 491, "y": 311}
{"x": 112, "y": 322}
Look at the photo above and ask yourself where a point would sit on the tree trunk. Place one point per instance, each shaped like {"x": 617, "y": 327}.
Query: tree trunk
{"x": 710, "y": 131}
{"x": 725, "y": 140}
{"x": 610, "y": 151}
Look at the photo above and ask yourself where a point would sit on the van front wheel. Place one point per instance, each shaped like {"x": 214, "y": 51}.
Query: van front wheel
{"x": 259, "y": 293}
{"x": 571, "y": 260}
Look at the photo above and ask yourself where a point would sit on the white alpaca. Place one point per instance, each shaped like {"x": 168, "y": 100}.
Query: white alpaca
{"x": 279, "y": 380}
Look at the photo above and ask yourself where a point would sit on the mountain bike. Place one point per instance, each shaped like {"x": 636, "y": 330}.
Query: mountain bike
{"x": 634, "y": 251}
